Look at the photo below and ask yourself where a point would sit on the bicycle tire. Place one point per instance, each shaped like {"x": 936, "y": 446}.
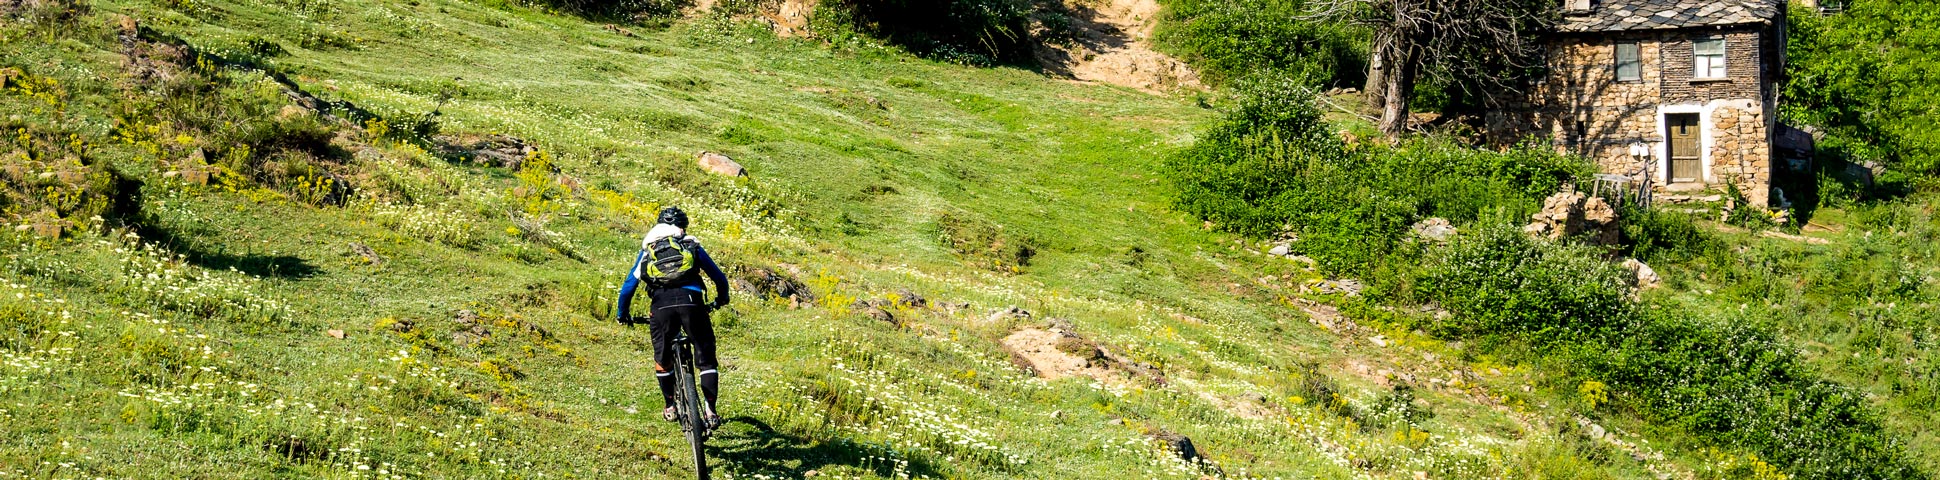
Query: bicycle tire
{"x": 696, "y": 428}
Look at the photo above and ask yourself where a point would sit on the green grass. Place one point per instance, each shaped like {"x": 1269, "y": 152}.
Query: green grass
{"x": 856, "y": 154}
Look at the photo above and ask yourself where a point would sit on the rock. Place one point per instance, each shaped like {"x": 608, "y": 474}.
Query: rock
{"x": 1595, "y": 431}
{"x": 1311, "y": 263}
{"x": 1180, "y": 445}
{"x": 1345, "y": 286}
{"x": 880, "y": 315}
{"x": 471, "y": 330}
{"x": 1280, "y": 250}
{"x": 720, "y": 165}
{"x": 909, "y": 299}
{"x": 1642, "y": 276}
{"x": 1434, "y": 229}
{"x": 1378, "y": 341}
{"x": 369, "y": 254}
{"x": 1059, "y": 325}
{"x": 334, "y": 333}
{"x": 503, "y": 151}
{"x": 1570, "y": 213}
{"x": 768, "y": 283}
{"x": 1008, "y": 313}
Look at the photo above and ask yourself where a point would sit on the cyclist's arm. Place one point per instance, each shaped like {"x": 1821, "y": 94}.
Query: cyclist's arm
{"x": 627, "y": 288}
{"x": 714, "y": 275}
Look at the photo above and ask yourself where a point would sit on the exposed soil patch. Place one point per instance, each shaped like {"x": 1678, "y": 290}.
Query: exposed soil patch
{"x": 1111, "y": 43}
{"x": 1054, "y": 355}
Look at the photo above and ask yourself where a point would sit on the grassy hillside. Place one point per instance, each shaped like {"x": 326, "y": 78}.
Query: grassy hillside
{"x": 179, "y": 325}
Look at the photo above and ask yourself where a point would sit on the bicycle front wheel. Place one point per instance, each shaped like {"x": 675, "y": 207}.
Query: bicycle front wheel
{"x": 697, "y": 428}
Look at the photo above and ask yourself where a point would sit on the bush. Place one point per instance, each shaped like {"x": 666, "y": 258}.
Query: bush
{"x": 613, "y": 9}
{"x": 1232, "y": 40}
{"x": 1654, "y": 235}
{"x": 1730, "y": 382}
{"x": 1864, "y": 77}
{"x": 1504, "y": 286}
{"x": 974, "y": 32}
{"x": 1272, "y": 164}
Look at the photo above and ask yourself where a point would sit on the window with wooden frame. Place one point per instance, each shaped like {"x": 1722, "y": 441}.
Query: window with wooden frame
{"x": 1630, "y": 65}
{"x": 1708, "y": 54}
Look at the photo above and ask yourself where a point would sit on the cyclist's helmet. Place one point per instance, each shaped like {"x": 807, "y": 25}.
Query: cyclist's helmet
{"x": 673, "y": 216}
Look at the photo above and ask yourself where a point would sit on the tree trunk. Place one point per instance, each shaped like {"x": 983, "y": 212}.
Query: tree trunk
{"x": 1400, "y": 83}
{"x": 1375, "y": 92}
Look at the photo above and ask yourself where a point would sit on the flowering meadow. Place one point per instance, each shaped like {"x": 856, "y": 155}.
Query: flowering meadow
{"x": 297, "y": 259}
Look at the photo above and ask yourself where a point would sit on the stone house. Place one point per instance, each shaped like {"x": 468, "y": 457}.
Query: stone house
{"x": 1694, "y": 83}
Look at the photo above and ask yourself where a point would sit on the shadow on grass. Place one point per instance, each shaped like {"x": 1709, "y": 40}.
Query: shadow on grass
{"x": 751, "y": 446}
{"x": 287, "y": 267}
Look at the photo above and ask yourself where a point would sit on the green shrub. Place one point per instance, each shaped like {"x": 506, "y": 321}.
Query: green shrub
{"x": 1272, "y": 164}
{"x": 1864, "y": 76}
{"x": 1655, "y": 235}
{"x": 1732, "y": 382}
{"x": 1504, "y": 286}
{"x": 614, "y": 9}
{"x": 972, "y": 32}
{"x": 1232, "y": 40}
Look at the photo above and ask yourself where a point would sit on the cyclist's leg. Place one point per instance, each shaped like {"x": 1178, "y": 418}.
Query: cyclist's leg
{"x": 700, "y": 330}
{"x": 664, "y": 327}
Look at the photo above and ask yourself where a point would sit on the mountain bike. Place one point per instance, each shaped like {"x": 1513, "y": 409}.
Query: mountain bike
{"x": 689, "y": 410}
{"x": 688, "y": 407}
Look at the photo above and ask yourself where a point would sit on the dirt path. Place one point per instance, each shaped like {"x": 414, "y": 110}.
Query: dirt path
{"x": 1113, "y": 46}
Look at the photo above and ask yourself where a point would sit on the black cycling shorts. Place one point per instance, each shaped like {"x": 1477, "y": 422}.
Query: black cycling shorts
{"x": 678, "y": 309}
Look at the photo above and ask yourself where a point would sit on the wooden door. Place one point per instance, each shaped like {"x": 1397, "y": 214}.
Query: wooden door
{"x": 1687, "y": 164}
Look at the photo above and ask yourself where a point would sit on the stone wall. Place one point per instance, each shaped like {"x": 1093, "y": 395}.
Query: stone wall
{"x": 1583, "y": 109}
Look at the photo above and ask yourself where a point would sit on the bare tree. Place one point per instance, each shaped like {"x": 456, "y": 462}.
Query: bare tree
{"x": 1478, "y": 46}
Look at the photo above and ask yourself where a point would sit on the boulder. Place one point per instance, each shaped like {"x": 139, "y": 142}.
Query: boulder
{"x": 1433, "y": 229}
{"x": 369, "y": 254}
{"x": 1280, "y": 250}
{"x": 1571, "y": 214}
{"x": 1642, "y": 276}
{"x": 720, "y": 165}
{"x": 1180, "y": 445}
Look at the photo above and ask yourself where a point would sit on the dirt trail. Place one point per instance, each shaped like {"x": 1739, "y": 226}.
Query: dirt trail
{"x": 1113, "y": 46}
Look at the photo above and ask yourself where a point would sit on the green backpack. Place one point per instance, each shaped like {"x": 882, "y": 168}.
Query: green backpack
{"x": 666, "y": 260}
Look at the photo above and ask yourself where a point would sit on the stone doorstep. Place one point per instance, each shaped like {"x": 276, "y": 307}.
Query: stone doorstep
{"x": 1683, "y": 187}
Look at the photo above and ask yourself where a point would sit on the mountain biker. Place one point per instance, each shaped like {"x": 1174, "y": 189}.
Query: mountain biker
{"x": 678, "y": 302}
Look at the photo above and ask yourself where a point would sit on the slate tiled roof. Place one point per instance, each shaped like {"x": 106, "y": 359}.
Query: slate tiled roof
{"x": 1616, "y": 15}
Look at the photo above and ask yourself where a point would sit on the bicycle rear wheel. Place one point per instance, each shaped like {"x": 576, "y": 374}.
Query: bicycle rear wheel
{"x": 691, "y": 416}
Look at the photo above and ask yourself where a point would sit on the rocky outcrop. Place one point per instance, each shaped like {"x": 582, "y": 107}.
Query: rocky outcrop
{"x": 763, "y": 282}
{"x": 1054, "y": 354}
{"x": 495, "y": 150}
